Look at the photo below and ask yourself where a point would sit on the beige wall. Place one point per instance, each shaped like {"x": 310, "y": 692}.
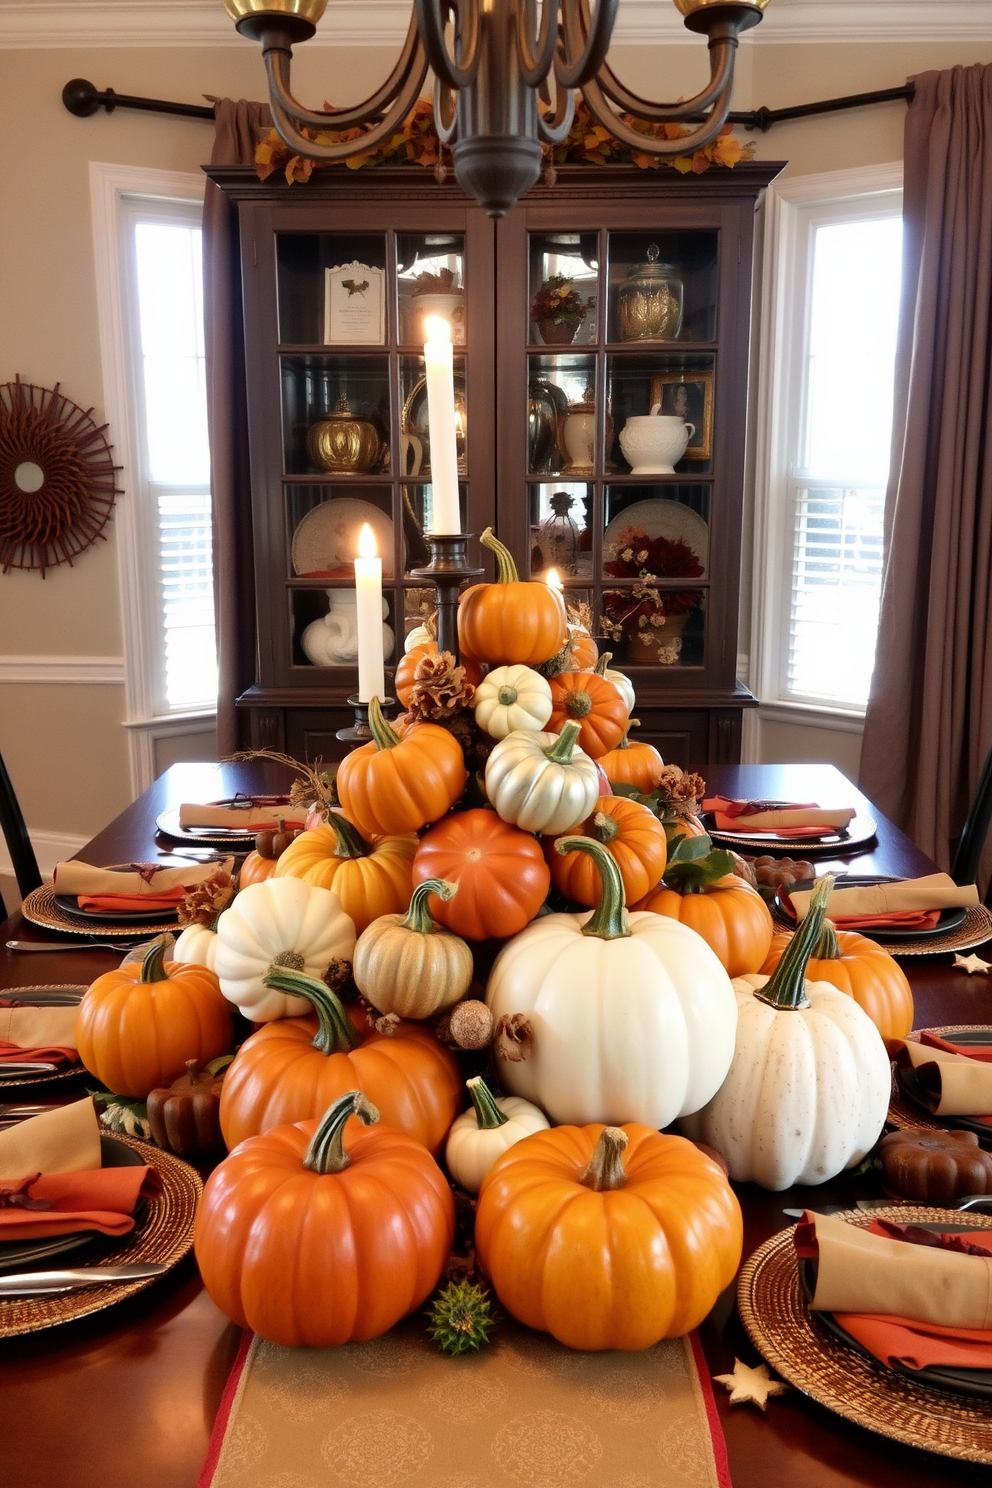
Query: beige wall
{"x": 64, "y": 744}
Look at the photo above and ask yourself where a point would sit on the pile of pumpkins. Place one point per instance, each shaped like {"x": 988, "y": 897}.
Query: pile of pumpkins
{"x": 651, "y": 990}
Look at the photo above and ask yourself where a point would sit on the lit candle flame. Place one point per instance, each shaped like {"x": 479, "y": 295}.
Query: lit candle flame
{"x": 552, "y": 580}
{"x": 366, "y": 542}
{"x": 437, "y": 328}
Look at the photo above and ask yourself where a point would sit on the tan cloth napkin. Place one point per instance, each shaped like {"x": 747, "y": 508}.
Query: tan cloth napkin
{"x": 956, "y": 1086}
{"x": 922, "y": 1054}
{"x": 858, "y": 1272}
{"x": 33, "y": 1028}
{"x": 249, "y": 819}
{"x": 80, "y": 878}
{"x": 66, "y": 1140}
{"x": 936, "y": 891}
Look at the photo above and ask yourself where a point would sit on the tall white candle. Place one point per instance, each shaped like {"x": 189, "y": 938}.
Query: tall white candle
{"x": 441, "y": 425}
{"x": 368, "y": 589}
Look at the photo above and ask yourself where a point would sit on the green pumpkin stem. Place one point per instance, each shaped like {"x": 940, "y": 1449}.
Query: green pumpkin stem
{"x": 335, "y": 1034}
{"x": 784, "y": 988}
{"x": 384, "y": 736}
{"x": 506, "y": 696}
{"x": 827, "y": 948}
{"x": 350, "y": 842}
{"x": 153, "y": 965}
{"x": 418, "y": 916}
{"x": 608, "y": 920}
{"x": 326, "y": 1152}
{"x": 603, "y": 663}
{"x": 506, "y": 569}
{"x": 562, "y": 750}
{"x": 603, "y": 826}
{"x": 488, "y": 1115}
{"x": 605, "y": 1168}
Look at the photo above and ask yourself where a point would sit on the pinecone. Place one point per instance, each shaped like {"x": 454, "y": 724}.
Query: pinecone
{"x": 205, "y": 900}
{"x": 439, "y": 689}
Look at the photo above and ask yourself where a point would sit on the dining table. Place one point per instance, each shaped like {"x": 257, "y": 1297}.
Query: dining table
{"x": 130, "y": 1394}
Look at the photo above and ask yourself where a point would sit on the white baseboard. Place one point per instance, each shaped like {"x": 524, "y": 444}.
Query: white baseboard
{"x": 89, "y": 671}
{"x": 49, "y": 848}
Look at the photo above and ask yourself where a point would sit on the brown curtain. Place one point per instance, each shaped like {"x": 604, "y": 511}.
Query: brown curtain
{"x": 929, "y": 720}
{"x": 238, "y": 126}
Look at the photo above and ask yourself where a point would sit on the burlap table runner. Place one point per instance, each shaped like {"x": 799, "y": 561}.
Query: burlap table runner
{"x": 524, "y": 1413}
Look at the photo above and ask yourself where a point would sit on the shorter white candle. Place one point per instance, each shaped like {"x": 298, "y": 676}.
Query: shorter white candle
{"x": 441, "y": 425}
{"x": 368, "y": 592}
{"x": 553, "y": 581}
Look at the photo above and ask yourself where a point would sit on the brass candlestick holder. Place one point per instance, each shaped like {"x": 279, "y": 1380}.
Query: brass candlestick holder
{"x": 360, "y": 733}
{"x": 447, "y": 571}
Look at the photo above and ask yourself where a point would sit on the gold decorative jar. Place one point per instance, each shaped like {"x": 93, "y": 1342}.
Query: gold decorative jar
{"x": 649, "y": 301}
{"x": 344, "y": 443}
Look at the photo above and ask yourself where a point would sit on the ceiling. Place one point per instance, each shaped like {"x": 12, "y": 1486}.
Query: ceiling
{"x": 78, "y": 24}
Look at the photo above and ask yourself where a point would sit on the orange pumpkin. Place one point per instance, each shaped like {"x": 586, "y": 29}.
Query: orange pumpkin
{"x": 594, "y": 704}
{"x": 395, "y": 784}
{"x": 510, "y": 621}
{"x": 633, "y": 763}
{"x": 500, "y": 873}
{"x": 406, "y": 669}
{"x": 584, "y": 653}
{"x": 607, "y": 1238}
{"x": 634, "y": 838}
{"x": 291, "y": 1069}
{"x": 732, "y": 918}
{"x": 269, "y": 846}
{"x": 863, "y": 969}
{"x": 370, "y": 878}
{"x": 682, "y": 826}
{"x": 317, "y": 1235}
{"x": 137, "y": 1026}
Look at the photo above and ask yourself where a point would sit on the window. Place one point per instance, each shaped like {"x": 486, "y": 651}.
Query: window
{"x": 831, "y": 285}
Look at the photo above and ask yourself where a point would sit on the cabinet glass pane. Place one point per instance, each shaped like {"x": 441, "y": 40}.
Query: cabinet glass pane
{"x": 335, "y": 414}
{"x": 560, "y": 529}
{"x": 564, "y": 288}
{"x": 656, "y": 532}
{"x": 681, "y": 387}
{"x": 302, "y": 261}
{"x": 662, "y": 286}
{"x": 561, "y": 422}
{"x": 654, "y": 625}
{"x": 415, "y": 438}
{"x": 324, "y": 628}
{"x": 430, "y": 280}
{"x": 323, "y": 524}
{"x": 418, "y": 519}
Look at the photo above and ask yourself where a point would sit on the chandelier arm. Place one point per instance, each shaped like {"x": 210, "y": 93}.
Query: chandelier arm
{"x": 405, "y": 81}
{"x": 583, "y": 41}
{"x": 721, "y": 73}
{"x": 430, "y": 17}
{"x": 647, "y": 144}
{"x": 445, "y": 112}
{"x": 535, "y": 66}
{"x": 554, "y": 131}
{"x": 346, "y": 149}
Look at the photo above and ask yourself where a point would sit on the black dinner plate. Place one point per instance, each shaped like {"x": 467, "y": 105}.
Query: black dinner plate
{"x": 860, "y": 830}
{"x": 950, "y": 919}
{"x": 913, "y": 1091}
{"x": 19, "y": 1255}
{"x": 941, "y": 1376}
{"x": 69, "y": 905}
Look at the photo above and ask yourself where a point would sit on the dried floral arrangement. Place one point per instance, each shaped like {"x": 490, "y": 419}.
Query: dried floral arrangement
{"x": 445, "y": 281}
{"x": 416, "y": 143}
{"x": 635, "y": 555}
{"x": 559, "y": 301}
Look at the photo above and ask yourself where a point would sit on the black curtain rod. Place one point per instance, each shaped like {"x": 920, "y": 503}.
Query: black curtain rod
{"x": 83, "y": 99}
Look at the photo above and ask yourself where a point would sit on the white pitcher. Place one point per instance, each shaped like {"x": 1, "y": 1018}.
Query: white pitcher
{"x": 654, "y": 443}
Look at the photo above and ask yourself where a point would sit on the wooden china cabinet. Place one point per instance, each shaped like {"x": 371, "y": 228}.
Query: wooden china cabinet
{"x": 339, "y": 274}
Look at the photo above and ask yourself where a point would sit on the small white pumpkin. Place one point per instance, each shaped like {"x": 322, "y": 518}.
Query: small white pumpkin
{"x": 479, "y": 1136}
{"x": 542, "y": 782}
{"x": 620, "y": 680}
{"x": 281, "y": 922}
{"x": 808, "y": 1090}
{"x": 418, "y": 636}
{"x": 196, "y": 946}
{"x": 510, "y": 698}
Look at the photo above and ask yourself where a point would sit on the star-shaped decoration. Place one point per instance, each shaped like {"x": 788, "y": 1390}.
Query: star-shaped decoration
{"x": 750, "y": 1385}
{"x": 972, "y": 964}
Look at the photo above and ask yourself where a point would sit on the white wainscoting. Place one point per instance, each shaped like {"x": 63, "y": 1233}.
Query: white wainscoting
{"x": 89, "y": 671}
{"x": 49, "y": 848}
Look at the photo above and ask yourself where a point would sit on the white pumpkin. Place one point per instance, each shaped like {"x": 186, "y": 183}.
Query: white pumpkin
{"x": 479, "y": 1136}
{"x": 542, "y": 782}
{"x": 511, "y": 698}
{"x": 631, "y": 1016}
{"x": 281, "y": 922}
{"x": 808, "y": 1090}
{"x": 418, "y": 636}
{"x": 620, "y": 680}
{"x": 197, "y": 946}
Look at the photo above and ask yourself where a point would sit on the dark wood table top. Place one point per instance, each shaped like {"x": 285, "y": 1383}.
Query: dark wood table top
{"x": 130, "y": 1395}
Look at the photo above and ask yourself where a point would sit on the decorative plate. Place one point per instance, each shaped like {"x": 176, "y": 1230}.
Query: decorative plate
{"x": 796, "y": 1344}
{"x": 327, "y": 537}
{"x": 168, "y": 824}
{"x": 950, "y": 919}
{"x": 69, "y": 905}
{"x": 662, "y": 518}
{"x": 859, "y": 831}
{"x": 41, "y": 909}
{"x": 164, "y": 1233}
{"x": 31, "y": 1254}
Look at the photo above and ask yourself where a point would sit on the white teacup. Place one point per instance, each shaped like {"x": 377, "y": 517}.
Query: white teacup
{"x": 653, "y": 443}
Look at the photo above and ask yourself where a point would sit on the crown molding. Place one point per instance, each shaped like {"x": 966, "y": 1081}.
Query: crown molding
{"x": 108, "y": 24}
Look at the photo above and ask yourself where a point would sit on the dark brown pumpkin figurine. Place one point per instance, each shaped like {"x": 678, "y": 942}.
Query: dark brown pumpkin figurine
{"x": 935, "y": 1167}
{"x": 269, "y": 847}
{"x": 185, "y": 1116}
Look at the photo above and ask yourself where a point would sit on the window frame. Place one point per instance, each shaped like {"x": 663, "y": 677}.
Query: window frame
{"x": 793, "y": 209}
{"x": 112, "y": 189}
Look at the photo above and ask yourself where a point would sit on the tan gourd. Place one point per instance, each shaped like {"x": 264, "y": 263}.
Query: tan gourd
{"x": 410, "y": 965}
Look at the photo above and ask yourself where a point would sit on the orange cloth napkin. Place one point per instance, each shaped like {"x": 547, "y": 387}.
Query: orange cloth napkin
{"x": 42, "y": 1054}
{"x": 899, "y": 1342}
{"x": 967, "y": 1051}
{"x": 908, "y": 919}
{"x": 794, "y": 819}
{"x": 136, "y": 903}
{"x": 37, "y": 1033}
{"x": 101, "y": 1199}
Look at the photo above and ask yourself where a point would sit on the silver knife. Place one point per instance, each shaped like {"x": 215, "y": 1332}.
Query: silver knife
{"x": 47, "y": 1283}
{"x": 77, "y": 945}
{"x": 25, "y": 1067}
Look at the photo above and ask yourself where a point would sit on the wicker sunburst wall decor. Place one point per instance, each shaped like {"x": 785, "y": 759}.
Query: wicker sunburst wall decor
{"x": 57, "y": 478}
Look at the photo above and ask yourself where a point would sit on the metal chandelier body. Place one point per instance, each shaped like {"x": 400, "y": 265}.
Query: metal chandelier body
{"x": 494, "y": 62}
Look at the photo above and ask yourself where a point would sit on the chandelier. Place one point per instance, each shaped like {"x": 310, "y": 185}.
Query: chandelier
{"x": 494, "y": 63}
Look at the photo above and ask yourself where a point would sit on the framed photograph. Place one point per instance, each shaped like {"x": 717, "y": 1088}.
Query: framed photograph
{"x": 688, "y": 395}
{"x": 354, "y": 305}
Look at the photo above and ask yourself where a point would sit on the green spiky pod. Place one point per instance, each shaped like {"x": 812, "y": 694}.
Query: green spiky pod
{"x": 461, "y": 1318}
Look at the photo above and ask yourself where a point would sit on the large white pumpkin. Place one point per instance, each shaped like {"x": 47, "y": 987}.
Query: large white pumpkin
{"x": 632, "y": 1016}
{"x": 808, "y": 1090}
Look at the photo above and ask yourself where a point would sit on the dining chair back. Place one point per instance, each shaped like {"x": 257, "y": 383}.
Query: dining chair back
{"x": 971, "y": 843}
{"x": 16, "y": 836}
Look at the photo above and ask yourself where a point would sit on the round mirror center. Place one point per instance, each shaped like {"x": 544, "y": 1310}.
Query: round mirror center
{"x": 29, "y": 476}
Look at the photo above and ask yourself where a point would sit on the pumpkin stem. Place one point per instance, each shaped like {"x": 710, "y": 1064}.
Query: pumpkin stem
{"x": 603, "y": 827}
{"x": 326, "y": 1152}
{"x": 578, "y": 703}
{"x": 335, "y": 1034}
{"x": 384, "y": 736}
{"x": 488, "y": 1115}
{"x": 191, "y": 1066}
{"x": 506, "y": 696}
{"x": 608, "y": 920}
{"x": 784, "y": 988}
{"x": 350, "y": 842}
{"x": 602, "y": 663}
{"x": 827, "y": 948}
{"x": 153, "y": 966}
{"x": 506, "y": 569}
{"x": 562, "y": 750}
{"x": 605, "y": 1168}
{"x": 418, "y": 916}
